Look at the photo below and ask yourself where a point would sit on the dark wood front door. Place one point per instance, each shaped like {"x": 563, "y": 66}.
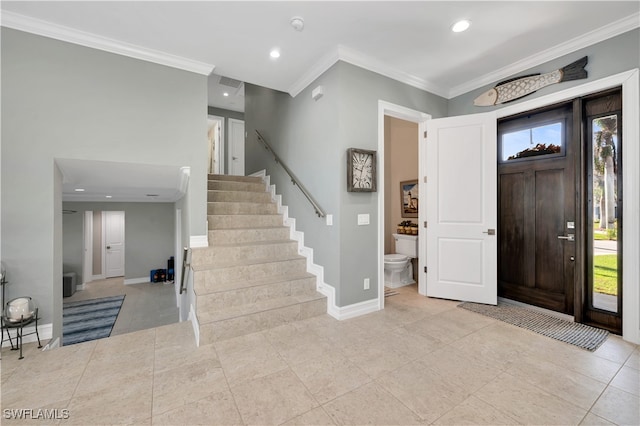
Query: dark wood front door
{"x": 536, "y": 208}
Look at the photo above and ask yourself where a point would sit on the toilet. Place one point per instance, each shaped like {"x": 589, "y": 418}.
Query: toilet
{"x": 398, "y": 270}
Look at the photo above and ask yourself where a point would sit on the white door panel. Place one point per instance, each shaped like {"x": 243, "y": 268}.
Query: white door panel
{"x": 236, "y": 147}
{"x": 114, "y": 244}
{"x": 461, "y": 208}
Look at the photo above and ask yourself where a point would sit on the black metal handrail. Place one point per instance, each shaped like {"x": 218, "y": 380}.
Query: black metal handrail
{"x": 186, "y": 263}
{"x": 293, "y": 177}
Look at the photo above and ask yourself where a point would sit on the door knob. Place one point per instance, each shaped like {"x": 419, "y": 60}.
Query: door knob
{"x": 108, "y": 247}
{"x": 569, "y": 237}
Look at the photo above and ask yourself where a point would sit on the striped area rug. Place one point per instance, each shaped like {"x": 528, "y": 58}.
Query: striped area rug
{"x": 583, "y": 336}
{"x": 89, "y": 319}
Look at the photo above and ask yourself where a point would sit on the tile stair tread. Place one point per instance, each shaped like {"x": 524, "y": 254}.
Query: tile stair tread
{"x": 232, "y": 178}
{"x": 250, "y": 228}
{"x": 246, "y": 214}
{"x": 247, "y": 203}
{"x": 250, "y": 243}
{"x": 206, "y": 267}
{"x": 254, "y": 308}
{"x": 261, "y": 282}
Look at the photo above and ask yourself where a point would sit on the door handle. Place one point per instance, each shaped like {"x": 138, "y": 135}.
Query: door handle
{"x": 489, "y": 232}
{"x": 108, "y": 247}
{"x": 569, "y": 237}
{"x": 234, "y": 158}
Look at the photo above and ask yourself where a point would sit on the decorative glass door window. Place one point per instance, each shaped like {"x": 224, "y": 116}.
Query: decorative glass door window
{"x": 525, "y": 143}
{"x": 605, "y": 281}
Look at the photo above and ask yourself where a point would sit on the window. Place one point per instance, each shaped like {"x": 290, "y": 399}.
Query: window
{"x": 532, "y": 141}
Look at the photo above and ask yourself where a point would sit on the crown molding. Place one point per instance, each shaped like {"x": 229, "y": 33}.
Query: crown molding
{"x": 358, "y": 59}
{"x": 363, "y": 61}
{"x": 82, "y": 38}
{"x": 596, "y": 36}
{"x": 316, "y": 70}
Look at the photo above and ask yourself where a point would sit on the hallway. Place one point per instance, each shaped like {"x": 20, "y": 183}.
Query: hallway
{"x": 420, "y": 361}
{"x": 146, "y": 305}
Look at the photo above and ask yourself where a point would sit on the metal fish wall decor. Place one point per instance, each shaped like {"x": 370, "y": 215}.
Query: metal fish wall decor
{"x": 516, "y": 88}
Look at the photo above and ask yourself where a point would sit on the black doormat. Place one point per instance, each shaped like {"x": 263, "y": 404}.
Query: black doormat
{"x": 583, "y": 336}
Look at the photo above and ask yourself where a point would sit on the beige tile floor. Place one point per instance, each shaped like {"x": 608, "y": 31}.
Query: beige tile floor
{"x": 420, "y": 361}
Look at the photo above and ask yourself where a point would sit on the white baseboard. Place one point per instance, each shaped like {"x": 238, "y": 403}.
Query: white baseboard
{"x": 335, "y": 311}
{"x": 357, "y": 309}
{"x": 82, "y": 286}
{"x": 52, "y": 345}
{"x": 98, "y": 277}
{"x": 44, "y": 330}
{"x": 194, "y": 322}
{"x": 199, "y": 241}
{"x": 130, "y": 281}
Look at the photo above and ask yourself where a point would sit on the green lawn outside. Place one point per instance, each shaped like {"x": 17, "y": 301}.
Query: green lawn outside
{"x": 605, "y": 274}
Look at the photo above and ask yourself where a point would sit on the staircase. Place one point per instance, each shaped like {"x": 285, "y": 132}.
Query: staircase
{"x": 251, "y": 277}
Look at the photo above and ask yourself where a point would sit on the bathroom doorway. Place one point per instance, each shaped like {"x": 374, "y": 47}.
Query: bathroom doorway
{"x": 400, "y": 136}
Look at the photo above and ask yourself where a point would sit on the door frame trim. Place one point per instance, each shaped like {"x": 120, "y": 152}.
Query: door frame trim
{"x": 630, "y": 82}
{"x": 414, "y": 116}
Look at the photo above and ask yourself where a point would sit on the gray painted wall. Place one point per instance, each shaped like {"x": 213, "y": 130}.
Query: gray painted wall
{"x": 149, "y": 235}
{"x": 61, "y": 100}
{"x": 312, "y": 138}
{"x": 609, "y": 57}
{"x": 226, "y": 114}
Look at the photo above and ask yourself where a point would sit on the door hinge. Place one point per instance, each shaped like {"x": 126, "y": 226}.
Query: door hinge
{"x": 425, "y": 134}
{"x": 425, "y": 223}
{"x": 425, "y": 269}
{"x": 425, "y": 179}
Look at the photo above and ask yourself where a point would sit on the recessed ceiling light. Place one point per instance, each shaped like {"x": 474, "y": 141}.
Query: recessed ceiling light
{"x": 152, "y": 195}
{"x": 108, "y": 196}
{"x": 275, "y": 53}
{"x": 461, "y": 26}
{"x": 225, "y": 94}
{"x": 79, "y": 189}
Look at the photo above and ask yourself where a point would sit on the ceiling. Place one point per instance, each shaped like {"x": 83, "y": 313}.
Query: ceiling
{"x": 407, "y": 41}
{"x": 104, "y": 181}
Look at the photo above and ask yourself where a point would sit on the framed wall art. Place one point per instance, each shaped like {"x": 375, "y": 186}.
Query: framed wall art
{"x": 361, "y": 170}
{"x": 409, "y": 198}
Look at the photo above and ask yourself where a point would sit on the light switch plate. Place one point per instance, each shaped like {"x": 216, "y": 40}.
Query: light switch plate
{"x": 329, "y": 218}
{"x": 363, "y": 219}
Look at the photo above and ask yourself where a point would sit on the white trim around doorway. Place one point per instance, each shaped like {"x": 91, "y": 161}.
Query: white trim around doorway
{"x": 407, "y": 114}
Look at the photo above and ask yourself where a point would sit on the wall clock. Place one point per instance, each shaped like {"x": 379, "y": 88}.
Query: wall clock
{"x": 361, "y": 170}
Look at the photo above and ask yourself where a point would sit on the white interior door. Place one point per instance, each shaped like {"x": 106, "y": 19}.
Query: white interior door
{"x": 236, "y": 147}
{"x": 461, "y": 208}
{"x": 114, "y": 244}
